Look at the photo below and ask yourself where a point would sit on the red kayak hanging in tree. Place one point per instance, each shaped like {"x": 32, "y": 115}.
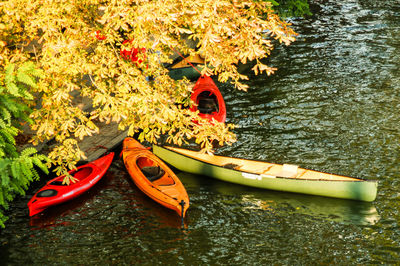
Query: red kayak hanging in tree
{"x": 208, "y": 100}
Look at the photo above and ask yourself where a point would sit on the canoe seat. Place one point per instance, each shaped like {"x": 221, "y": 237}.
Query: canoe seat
{"x": 152, "y": 172}
{"x": 231, "y": 166}
{"x": 207, "y": 105}
{"x": 288, "y": 170}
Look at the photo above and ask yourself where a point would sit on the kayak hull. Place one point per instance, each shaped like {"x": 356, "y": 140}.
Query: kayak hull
{"x": 163, "y": 186}
{"x": 54, "y": 192}
{"x": 269, "y": 176}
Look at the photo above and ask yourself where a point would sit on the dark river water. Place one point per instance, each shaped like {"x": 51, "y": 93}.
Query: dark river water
{"x": 333, "y": 105}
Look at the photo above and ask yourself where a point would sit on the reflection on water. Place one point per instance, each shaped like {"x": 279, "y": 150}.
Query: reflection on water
{"x": 313, "y": 207}
{"x": 333, "y": 105}
{"x": 344, "y": 212}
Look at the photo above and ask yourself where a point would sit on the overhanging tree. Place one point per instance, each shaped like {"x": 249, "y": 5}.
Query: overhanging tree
{"x": 78, "y": 45}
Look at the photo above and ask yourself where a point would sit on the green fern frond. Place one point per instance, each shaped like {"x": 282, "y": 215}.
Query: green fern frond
{"x": 2, "y": 143}
{"x": 16, "y": 169}
{"x": 29, "y": 163}
{"x": 28, "y": 152}
{"x": 4, "y": 163}
{"x": 17, "y": 189}
{"x": 16, "y": 107}
{"x": 13, "y": 131}
{"x": 9, "y": 134}
{"x": 23, "y": 186}
{"x": 9, "y": 195}
{"x": 26, "y": 170}
{"x": 27, "y": 67}
{"x": 3, "y": 198}
{"x": 3, "y": 219}
{"x": 5, "y": 179}
{"x": 10, "y": 150}
{"x": 8, "y": 100}
{"x": 2, "y": 201}
{"x": 6, "y": 115}
{"x": 3, "y": 124}
{"x": 26, "y": 79}
{"x": 37, "y": 160}
{"x": 9, "y": 104}
{"x": 8, "y": 143}
{"x": 25, "y": 94}
{"x": 37, "y": 72}
{"x": 35, "y": 174}
{"x": 10, "y": 81}
{"x": 9, "y": 73}
{"x": 13, "y": 89}
{"x": 27, "y": 74}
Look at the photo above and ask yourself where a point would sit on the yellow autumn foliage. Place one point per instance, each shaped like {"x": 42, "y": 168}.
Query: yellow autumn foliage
{"x": 78, "y": 45}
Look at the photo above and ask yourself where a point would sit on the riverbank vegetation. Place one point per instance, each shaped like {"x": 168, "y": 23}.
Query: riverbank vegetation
{"x": 114, "y": 54}
{"x": 16, "y": 167}
{"x": 293, "y": 8}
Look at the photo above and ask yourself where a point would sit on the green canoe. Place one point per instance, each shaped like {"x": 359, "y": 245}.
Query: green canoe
{"x": 286, "y": 177}
{"x": 181, "y": 67}
{"x": 189, "y": 72}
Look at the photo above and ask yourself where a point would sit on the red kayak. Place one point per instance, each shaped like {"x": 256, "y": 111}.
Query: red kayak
{"x": 54, "y": 192}
{"x": 208, "y": 100}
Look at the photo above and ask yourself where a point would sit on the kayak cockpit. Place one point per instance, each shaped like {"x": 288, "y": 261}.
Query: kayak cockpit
{"x": 78, "y": 176}
{"x": 153, "y": 172}
{"x": 207, "y": 103}
{"x": 82, "y": 173}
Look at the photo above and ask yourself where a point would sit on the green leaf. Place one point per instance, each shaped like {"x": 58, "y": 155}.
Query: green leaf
{"x": 5, "y": 179}
{"x": 13, "y": 89}
{"x": 26, "y": 79}
{"x": 28, "y": 152}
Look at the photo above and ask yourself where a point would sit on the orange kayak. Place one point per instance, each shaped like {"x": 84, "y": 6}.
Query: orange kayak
{"x": 154, "y": 177}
